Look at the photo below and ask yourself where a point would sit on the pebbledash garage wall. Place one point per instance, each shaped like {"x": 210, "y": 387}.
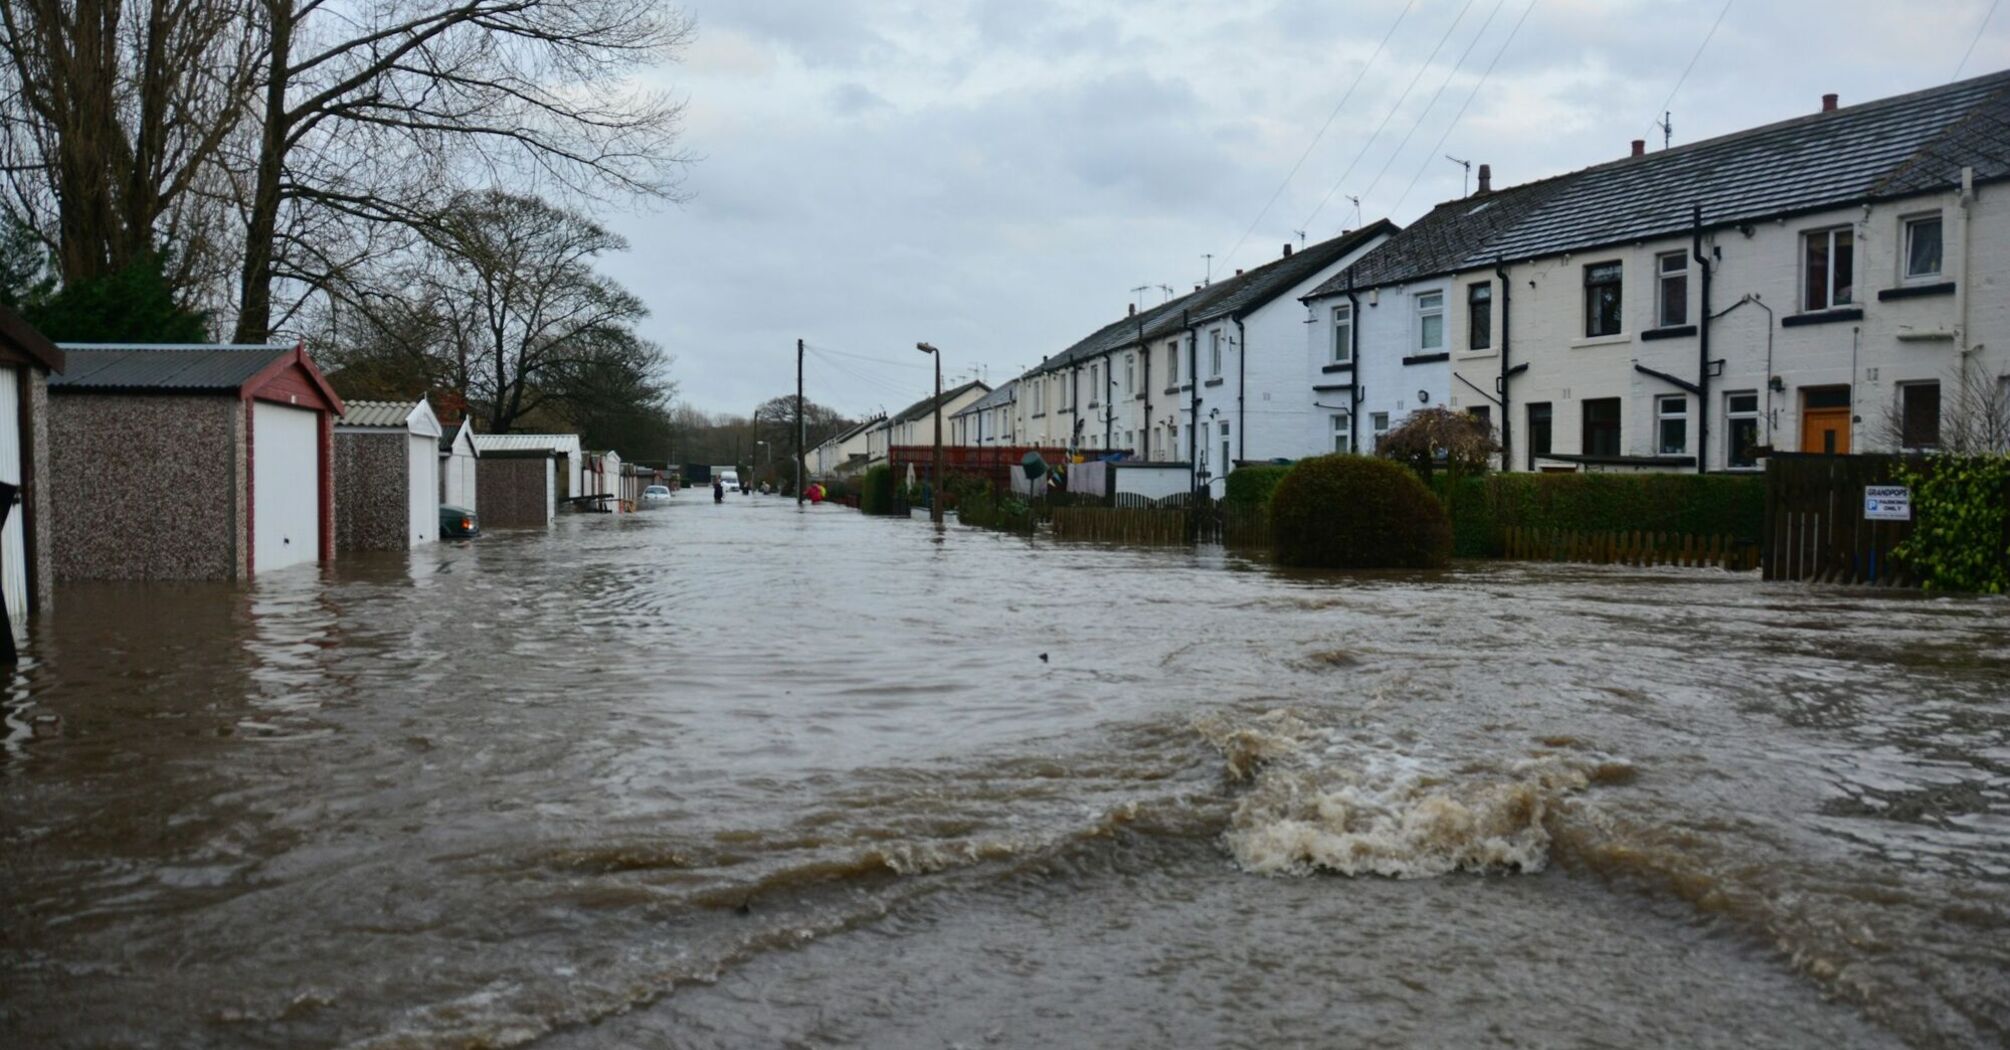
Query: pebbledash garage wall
{"x": 387, "y": 484}
{"x": 225, "y": 457}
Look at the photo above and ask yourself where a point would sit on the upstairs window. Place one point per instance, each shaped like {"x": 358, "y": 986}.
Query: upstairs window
{"x": 1214, "y": 353}
{"x": 1672, "y": 304}
{"x": 1828, "y": 269}
{"x": 1602, "y": 299}
{"x": 1342, "y": 351}
{"x": 1095, "y": 384}
{"x": 1172, "y": 363}
{"x": 1430, "y": 322}
{"x": 1922, "y": 247}
{"x": 1480, "y": 316}
{"x": 1130, "y": 373}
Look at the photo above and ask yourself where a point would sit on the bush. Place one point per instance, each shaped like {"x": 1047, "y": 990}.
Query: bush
{"x": 986, "y": 509}
{"x": 1250, "y": 487}
{"x": 1357, "y": 512}
{"x": 876, "y": 491}
{"x": 1484, "y": 508}
{"x": 1961, "y": 537}
{"x": 1429, "y": 438}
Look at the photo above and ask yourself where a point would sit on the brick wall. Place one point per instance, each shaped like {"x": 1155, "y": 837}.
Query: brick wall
{"x": 142, "y": 488}
{"x": 372, "y": 491}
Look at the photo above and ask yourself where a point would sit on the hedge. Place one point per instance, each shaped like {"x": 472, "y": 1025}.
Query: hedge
{"x": 1357, "y": 512}
{"x": 875, "y": 491}
{"x": 1483, "y": 507}
{"x": 1251, "y": 486}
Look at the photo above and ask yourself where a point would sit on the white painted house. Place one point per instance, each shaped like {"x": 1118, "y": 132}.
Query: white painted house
{"x": 843, "y": 453}
{"x": 458, "y": 462}
{"x": 1834, "y": 282}
{"x": 987, "y": 421}
{"x": 915, "y": 424}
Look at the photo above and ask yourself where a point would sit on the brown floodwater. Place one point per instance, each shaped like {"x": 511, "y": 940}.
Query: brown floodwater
{"x": 745, "y": 775}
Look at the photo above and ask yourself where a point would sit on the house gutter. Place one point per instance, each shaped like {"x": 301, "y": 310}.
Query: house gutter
{"x": 1507, "y": 417}
{"x": 1703, "y": 346}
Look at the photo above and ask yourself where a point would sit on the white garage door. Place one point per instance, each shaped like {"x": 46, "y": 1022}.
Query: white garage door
{"x": 13, "y": 543}
{"x": 424, "y": 452}
{"x": 286, "y": 497}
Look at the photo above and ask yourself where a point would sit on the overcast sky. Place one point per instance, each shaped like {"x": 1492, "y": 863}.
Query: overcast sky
{"x": 996, "y": 176}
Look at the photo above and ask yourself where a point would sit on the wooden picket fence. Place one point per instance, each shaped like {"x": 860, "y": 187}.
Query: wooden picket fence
{"x": 1630, "y": 548}
{"x": 1120, "y": 524}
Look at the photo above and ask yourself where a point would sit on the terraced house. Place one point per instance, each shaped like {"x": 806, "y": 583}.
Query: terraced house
{"x": 1837, "y": 282}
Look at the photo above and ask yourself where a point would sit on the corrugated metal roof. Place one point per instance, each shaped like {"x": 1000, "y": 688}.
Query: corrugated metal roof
{"x": 97, "y": 366}
{"x": 391, "y": 414}
{"x": 527, "y": 442}
{"x": 1888, "y": 148}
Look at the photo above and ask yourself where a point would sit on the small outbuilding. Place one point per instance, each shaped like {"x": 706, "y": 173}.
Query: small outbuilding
{"x": 521, "y": 477}
{"x": 387, "y": 476}
{"x": 26, "y": 360}
{"x": 458, "y": 464}
{"x": 225, "y": 454}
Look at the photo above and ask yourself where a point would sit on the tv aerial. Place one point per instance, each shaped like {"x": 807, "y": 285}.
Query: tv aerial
{"x": 1465, "y": 182}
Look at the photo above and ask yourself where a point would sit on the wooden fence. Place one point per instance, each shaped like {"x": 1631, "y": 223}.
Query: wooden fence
{"x": 1815, "y": 528}
{"x": 1630, "y": 548}
{"x": 1120, "y": 524}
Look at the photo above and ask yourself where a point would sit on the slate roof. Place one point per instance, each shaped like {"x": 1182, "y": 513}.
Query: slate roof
{"x": 856, "y": 430}
{"x": 1892, "y": 147}
{"x": 389, "y": 414}
{"x": 1000, "y": 395}
{"x": 1444, "y": 240}
{"x": 179, "y": 367}
{"x": 927, "y": 404}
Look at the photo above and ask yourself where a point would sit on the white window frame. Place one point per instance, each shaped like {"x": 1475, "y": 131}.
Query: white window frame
{"x": 1906, "y": 226}
{"x": 1663, "y": 275}
{"x": 1341, "y": 352}
{"x": 1732, "y": 416}
{"x": 1378, "y": 422}
{"x": 1343, "y": 431}
{"x": 1430, "y": 305}
{"x": 1172, "y": 363}
{"x": 1830, "y": 232}
{"x": 1095, "y": 384}
{"x": 1669, "y": 408}
{"x": 1130, "y": 373}
{"x": 1214, "y": 353}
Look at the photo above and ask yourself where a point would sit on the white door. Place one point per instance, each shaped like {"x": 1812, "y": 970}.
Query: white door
{"x": 424, "y": 504}
{"x": 285, "y": 486}
{"x": 13, "y": 539}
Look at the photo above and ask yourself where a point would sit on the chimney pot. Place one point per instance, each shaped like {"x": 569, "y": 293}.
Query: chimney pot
{"x": 1829, "y": 102}
{"x": 1639, "y": 147}
{"x": 1486, "y": 178}
{"x": 1133, "y": 312}
{"x": 1287, "y": 249}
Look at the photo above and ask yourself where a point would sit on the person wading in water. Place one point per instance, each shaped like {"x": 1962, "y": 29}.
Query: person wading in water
{"x": 718, "y": 491}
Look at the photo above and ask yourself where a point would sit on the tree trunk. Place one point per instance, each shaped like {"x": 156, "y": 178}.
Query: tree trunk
{"x": 254, "y": 315}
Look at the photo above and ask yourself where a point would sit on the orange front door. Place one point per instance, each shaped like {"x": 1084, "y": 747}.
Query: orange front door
{"x": 1825, "y": 430}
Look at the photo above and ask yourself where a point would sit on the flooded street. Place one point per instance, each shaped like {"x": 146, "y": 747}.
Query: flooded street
{"x": 745, "y": 775}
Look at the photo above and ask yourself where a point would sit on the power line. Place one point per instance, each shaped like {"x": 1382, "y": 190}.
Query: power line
{"x": 1323, "y": 128}
{"x": 1393, "y": 110}
{"x": 1978, "y": 39}
{"x": 1473, "y": 94}
{"x": 1684, "y": 78}
{"x": 1435, "y": 95}
{"x": 867, "y": 357}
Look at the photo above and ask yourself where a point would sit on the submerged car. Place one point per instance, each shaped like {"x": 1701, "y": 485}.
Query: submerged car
{"x": 656, "y": 494}
{"x": 458, "y": 523}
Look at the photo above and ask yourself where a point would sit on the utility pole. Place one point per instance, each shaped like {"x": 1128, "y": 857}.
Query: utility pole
{"x": 799, "y": 422}
{"x": 935, "y": 481}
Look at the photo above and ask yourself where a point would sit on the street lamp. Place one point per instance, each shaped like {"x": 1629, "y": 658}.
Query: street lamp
{"x": 935, "y": 477}
{"x": 758, "y": 444}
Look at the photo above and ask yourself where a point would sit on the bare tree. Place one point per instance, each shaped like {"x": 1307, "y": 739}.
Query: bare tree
{"x": 112, "y": 115}
{"x": 1972, "y": 419}
{"x": 370, "y": 111}
{"x": 1440, "y": 437}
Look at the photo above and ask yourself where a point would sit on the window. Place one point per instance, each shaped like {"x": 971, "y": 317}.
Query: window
{"x": 1130, "y": 439}
{"x": 1214, "y": 353}
{"x": 1672, "y": 304}
{"x": 1379, "y": 423}
{"x": 1172, "y": 363}
{"x": 1671, "y": 424}
{"x": 1343, "y": 334}
{"x": 1828, "y": 268}
{"x": 1226, "y": 463}
{"x": 1095, "y": 384}
{"x": 1601, "y": 426}
{"x": 1602, "y": 283}
{"x": 1130, "y": 373}
{"x": 1741, "y": 422}
{"x": 1539, "y": 416}
{"x": 1430, "y": 322}
{"x": 1039, "y": 395}
{"x": 1480, "y": 315}
{"x": 1343, "y": 432}
{"x": 1484, "y": 414}
{"x": 1922, "y": 247}
{"x": 1919, "y": 415}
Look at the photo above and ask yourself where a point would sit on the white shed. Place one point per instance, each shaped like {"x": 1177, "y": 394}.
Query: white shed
{"x": 387, "y": 475}
{"x": 457, "y": 465}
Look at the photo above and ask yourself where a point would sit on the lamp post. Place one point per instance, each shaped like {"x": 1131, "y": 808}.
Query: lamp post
{"x": 758, "y": 445}
{"x": 935, "y": 478}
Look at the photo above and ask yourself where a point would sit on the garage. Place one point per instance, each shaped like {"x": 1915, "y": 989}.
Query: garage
{"x": 284, "y": 486}
{"x": 26, "y": 359}
{"x": 387, "y": 475}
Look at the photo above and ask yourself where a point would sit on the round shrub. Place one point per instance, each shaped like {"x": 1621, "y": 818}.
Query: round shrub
{"x": 1357, "y": 512}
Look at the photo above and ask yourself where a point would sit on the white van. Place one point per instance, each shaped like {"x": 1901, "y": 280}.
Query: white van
{"x": 730, "y": 479}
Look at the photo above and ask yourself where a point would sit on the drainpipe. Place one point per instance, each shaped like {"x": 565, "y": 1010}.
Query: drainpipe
{"x": 1145, "y": 431}
{"x": 1109, "y": 402}
{"x": 1961, "y": 347}
{"x": 1241, "y": 392}
{"x": 1507, "y": 415}
{"x": 1193, "y": 404}
{"x": 1355, "y": 394}
{"x": 1703, "y": 346}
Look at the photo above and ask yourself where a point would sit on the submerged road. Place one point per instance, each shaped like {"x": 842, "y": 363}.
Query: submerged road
{"x": 749, "y": 775}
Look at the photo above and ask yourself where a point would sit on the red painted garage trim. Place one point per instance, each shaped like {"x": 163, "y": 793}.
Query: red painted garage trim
{"x": 326, "y": 464}
{"x": 250, "y": 489}
{"x": 293, "y": 380}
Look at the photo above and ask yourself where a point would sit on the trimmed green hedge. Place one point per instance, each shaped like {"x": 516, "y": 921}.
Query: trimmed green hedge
{"x": 1251, "y": 486}
{"x": 1482, "y": 508}
{"x": 1357, "y": 512}
{"x": 876, "y": 491}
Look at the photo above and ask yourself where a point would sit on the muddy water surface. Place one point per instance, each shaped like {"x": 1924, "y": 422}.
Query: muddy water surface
{"x": 742, "y": 775}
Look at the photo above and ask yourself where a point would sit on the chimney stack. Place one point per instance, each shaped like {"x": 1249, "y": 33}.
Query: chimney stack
{"x": 1486, "y": 178}
{"x": 1287, "y": 249}
{"x": 1639, "y": 147}
{"x": 1133, "y": 309}
{"x": 1238, "y": 270}
{"x": 1829, "y": 102}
